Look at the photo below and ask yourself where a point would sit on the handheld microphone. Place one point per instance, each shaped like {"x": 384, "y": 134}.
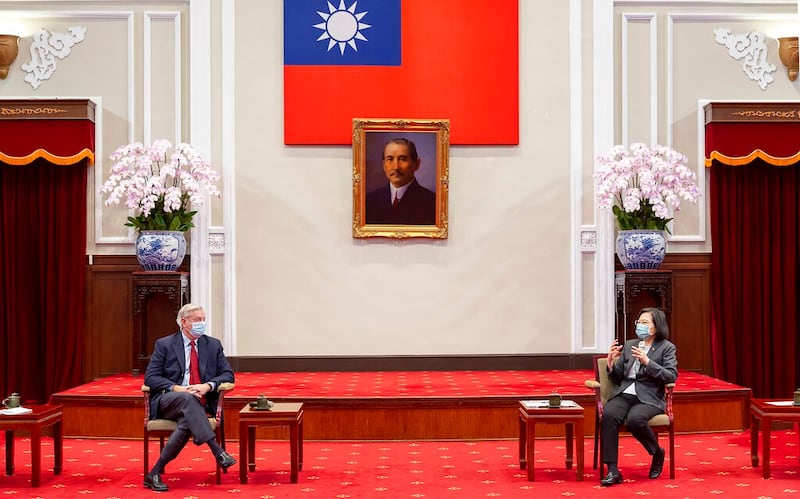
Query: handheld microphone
{"x": 638, "y": 363}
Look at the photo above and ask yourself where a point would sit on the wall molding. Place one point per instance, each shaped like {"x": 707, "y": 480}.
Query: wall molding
{"x": 151, "y": 17}
{"x": 228, "y": 29}
{"x": 627, "y": 20}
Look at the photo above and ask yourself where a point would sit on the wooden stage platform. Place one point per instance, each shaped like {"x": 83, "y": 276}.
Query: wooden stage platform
{"x": 425, "y": 405}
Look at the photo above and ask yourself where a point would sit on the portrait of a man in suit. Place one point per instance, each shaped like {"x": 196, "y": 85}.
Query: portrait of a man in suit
{"x": 400, "y": 178}
{"x": 402, "y": 200}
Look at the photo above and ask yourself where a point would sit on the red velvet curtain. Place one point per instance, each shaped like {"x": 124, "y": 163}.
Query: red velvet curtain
{"x": 42, "y": 271}
{"x": 755, "y": 226}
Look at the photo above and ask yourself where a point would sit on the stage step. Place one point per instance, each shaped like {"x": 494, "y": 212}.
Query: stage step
{"x": 707, "y": 406}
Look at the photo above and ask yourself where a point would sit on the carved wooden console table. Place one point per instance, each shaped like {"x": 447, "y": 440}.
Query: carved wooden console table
{"x": 157, "y": 297}
{"x": 636, "y": 289}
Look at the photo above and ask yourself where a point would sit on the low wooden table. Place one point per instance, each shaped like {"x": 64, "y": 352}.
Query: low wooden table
{"x": 763, "y": 414}
{"x": 281, "y": 414}
{"x": 569, "y": 414}
{"x": 34, "y": 422}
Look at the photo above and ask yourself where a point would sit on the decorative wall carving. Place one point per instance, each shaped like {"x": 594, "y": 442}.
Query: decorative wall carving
{"x": 588, "y": 240}
{"x": 46, "y": 46}
{"x": 752, "y": 48}
{"x": 216, "y": 242}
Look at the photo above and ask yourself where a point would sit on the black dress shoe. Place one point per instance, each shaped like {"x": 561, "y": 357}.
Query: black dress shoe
{"x": 611, "y": 479}
{"x": 658, "y": 463}
{"x": 153, "y": 481}
{"x": 225, "y": 460}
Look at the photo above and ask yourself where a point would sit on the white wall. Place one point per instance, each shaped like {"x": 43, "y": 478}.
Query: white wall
{"x": 500, "y": 282}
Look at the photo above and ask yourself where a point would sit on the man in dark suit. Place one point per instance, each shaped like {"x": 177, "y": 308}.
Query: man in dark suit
{"x": 185, "y": 392}
{"x": 640, "y": 370}
{"x": 403, "y": 201}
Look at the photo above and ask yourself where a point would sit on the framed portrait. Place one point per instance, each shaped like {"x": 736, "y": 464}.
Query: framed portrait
{"x": 400, "y": 178}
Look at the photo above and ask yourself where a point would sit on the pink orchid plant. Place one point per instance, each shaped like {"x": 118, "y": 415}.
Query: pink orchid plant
{"x": 640, "y": 184}
{"x": 160, "y": 184}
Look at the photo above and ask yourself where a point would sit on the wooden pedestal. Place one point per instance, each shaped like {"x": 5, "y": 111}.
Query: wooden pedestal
{"x": 637, "y": 289}
{"x": 157, "y": 297}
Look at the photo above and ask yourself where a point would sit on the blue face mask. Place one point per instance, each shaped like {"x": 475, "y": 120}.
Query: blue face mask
{"x": 642, "y": 331}
{"x": 198, "y": 329}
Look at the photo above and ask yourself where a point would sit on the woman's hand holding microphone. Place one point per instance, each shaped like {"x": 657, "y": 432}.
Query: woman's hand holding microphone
{"x": 613, "y": 354}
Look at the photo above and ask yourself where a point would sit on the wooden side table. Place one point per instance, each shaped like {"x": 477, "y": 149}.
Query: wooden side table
{"x": 281, "y": 414}
{"x": 532, "y": 412}
{"x": 763, "y": 412}
{"x": 34, "y": 422}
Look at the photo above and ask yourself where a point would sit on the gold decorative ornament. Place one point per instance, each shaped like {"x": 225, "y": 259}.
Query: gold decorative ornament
{"x": 9, "y": 48}
{"x": 787, "y": 50}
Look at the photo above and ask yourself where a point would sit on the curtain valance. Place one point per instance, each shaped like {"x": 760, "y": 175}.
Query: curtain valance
{"x": 736, "y": 133}
{"x": 59, "y": 130}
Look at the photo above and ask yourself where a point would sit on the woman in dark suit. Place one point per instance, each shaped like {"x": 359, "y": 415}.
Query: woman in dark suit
{"x": 640, "y": 370}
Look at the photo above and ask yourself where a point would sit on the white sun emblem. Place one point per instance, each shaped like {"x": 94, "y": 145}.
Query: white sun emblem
{"x": 342, "y": 26}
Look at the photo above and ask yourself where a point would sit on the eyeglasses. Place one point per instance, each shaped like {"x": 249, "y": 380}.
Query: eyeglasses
{"x": 642, "y": 322}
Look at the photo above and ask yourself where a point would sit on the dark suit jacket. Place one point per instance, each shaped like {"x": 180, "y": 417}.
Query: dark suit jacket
{"x": 416, "y": 207}
{"x": 650, "y": 380}
{"x": 168, "y": 363}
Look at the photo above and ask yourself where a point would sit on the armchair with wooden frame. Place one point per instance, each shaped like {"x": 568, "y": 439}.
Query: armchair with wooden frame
{"x": 163, "y": 428}
{"x": 602, "y": 387}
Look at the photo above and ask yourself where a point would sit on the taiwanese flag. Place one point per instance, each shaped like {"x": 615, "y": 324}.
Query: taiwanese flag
{"x": 419, "y": 59}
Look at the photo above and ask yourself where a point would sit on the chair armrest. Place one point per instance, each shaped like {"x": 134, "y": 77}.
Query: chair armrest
{"x": 221, "y": 389}
{"x": 669, "y": 389}
{"x": 146, "y": 395}
{"x": 595, "y": 386}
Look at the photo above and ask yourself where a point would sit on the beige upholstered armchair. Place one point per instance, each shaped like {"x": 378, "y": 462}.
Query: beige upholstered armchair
{"x": 163, "y": 428}
{"x": 602, "y": 387}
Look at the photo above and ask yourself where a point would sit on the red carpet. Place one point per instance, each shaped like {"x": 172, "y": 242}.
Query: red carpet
{"x": 708, "y": 465}
{"x": 310, "y": 385}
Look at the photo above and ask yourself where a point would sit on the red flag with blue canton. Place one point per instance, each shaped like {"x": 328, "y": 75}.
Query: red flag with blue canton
{"x": 421, "y": 59}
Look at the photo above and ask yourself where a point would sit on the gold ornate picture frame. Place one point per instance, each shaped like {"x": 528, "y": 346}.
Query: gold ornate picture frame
{"x": 400, "y": 178}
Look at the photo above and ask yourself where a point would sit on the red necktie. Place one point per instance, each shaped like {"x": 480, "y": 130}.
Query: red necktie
{"x": 396, "y": 200}
{"x": 194, "y": 368}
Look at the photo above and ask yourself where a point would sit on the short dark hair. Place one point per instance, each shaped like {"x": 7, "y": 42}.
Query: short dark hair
{"x": 412, "y": 148}
{"x": 659, "y": 321}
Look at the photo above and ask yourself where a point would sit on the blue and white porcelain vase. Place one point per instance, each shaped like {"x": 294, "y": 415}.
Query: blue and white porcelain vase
{"x": 161, "y": 250}
{"x": 641, "y": 249}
